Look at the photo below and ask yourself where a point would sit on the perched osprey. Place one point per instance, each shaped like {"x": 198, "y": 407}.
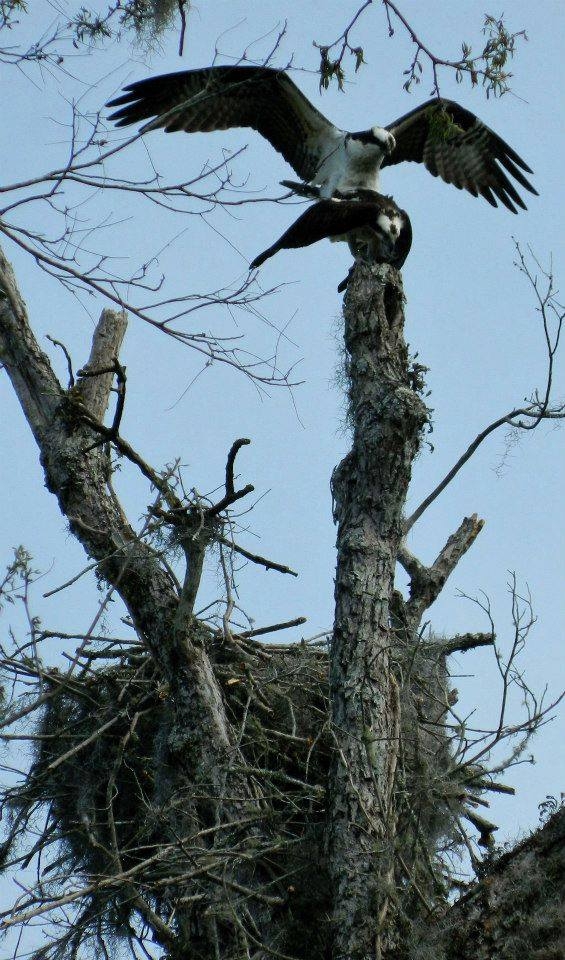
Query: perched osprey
{"x": 450, "y": 141}
{"x": 375, "y": 228}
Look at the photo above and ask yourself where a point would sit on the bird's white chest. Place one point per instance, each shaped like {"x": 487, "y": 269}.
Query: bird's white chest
{"x": 352, "y": 165}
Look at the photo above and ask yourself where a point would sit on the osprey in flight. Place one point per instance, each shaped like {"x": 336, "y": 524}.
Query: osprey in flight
{"x": 450, "y": 141}
{"x": 372, "y": 224}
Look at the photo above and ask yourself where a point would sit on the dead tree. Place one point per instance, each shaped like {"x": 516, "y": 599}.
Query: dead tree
{"x": 369, "y": 488}
{"x": 205, "y": 791}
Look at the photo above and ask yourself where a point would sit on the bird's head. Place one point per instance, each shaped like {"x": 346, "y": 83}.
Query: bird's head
{"x": 377, "y": 140}
{"x": 384, "y": 138}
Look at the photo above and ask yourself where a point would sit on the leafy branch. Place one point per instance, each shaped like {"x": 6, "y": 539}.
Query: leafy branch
{"x": 489, "y": 66}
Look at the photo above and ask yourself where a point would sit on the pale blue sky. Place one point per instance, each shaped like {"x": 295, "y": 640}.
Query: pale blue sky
{"x": 470, "y": 317}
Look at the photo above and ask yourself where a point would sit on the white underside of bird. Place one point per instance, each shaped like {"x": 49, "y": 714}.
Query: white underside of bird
{"x": 352, "y": 165}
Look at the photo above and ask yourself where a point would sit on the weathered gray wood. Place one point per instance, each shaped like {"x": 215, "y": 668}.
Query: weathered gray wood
{"x": 28, "y": 367}
{"x": 106, "y": 345}
{"x": 369, "y": 488}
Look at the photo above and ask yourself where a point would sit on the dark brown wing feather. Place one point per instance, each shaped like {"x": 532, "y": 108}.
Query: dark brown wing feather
{"x": 218, "y": 98}
{"x": 326, "y": 218}
{"x": 456, "y": 146}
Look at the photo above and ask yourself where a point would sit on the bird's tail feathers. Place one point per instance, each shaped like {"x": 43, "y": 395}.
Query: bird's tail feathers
{"x": 302, "y": 189}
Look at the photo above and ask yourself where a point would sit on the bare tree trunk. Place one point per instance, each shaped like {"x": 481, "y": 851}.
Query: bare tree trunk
{"x": 369, "y": 488}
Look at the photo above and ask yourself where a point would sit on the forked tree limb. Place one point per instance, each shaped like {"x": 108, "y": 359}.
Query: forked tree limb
{"x": 426, "y": 583}
{"x": 200, "y": 736}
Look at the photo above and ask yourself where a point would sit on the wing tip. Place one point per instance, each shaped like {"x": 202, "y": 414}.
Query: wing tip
{"x": 261, "y": 257}
{"x": 118, "y": 119}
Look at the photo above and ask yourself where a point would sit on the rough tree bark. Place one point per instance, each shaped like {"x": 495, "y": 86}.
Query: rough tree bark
{"x": 516, "y": 910}
{"x": 369, "y": 488}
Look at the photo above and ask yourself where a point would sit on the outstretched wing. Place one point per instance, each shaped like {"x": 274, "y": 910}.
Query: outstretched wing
{"x": 338, "y": 218}
{"x": 218, "y": 98}
{"x": 456, "y": 146}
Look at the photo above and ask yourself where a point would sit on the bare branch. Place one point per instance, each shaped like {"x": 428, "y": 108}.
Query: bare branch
{"x": 94, "y": 388}
{"x": 37, "y": 387}
{"x": 427, "y": 582}
{"x": 539, "y": 408}
{"x": 275, "y": 626}
{"x": 461, "y": 643}
{"x": 257, "y": 558}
